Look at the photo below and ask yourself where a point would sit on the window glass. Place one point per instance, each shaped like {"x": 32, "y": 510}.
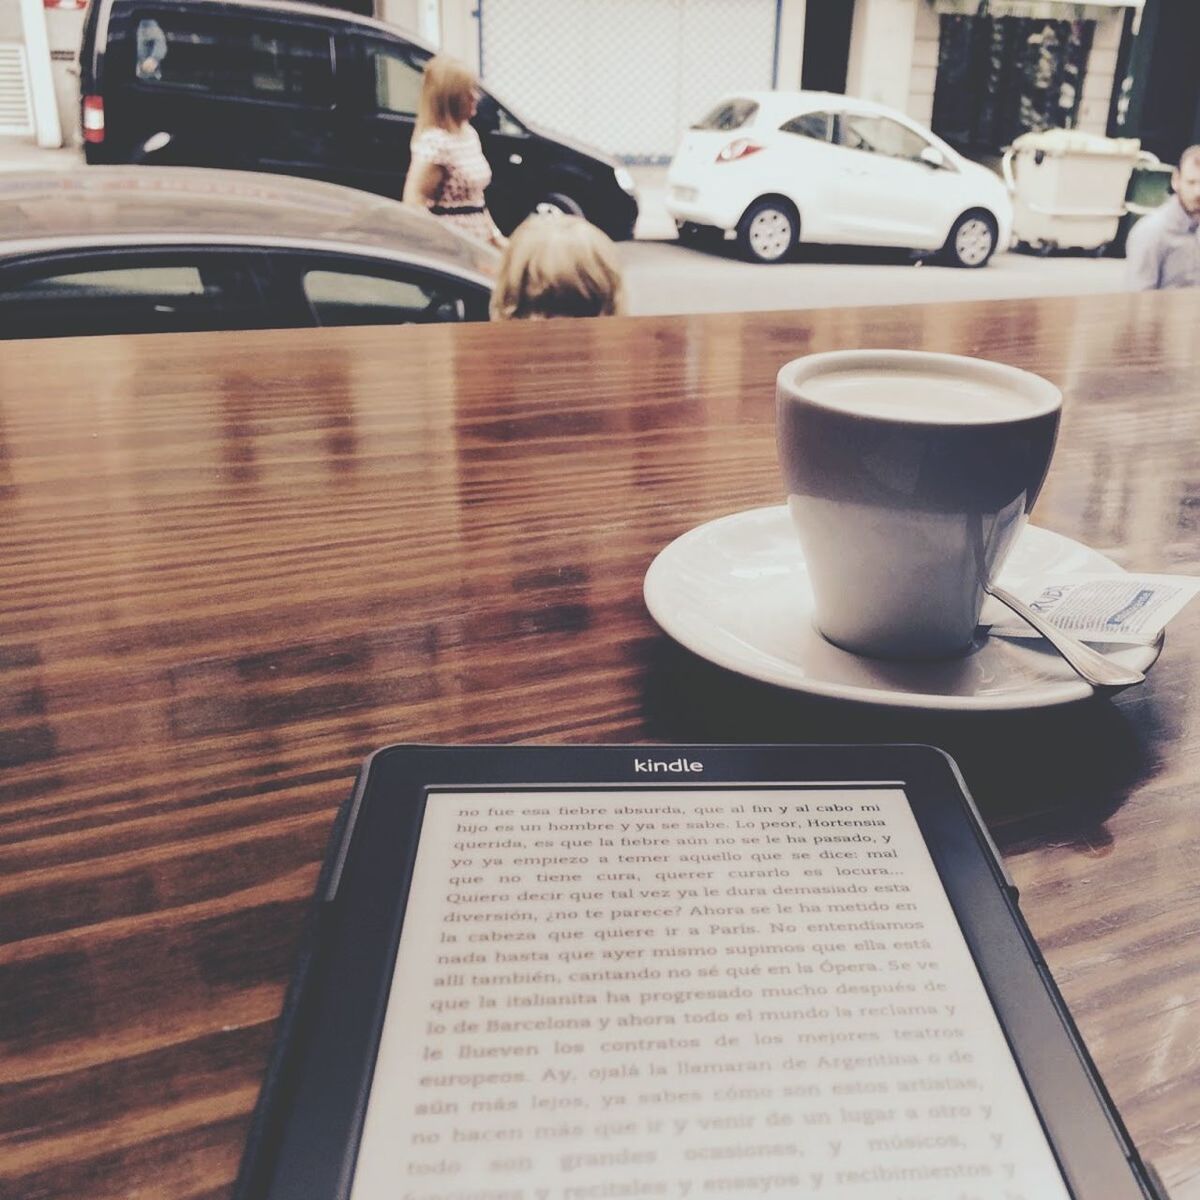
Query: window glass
{"x": 133, "y": 298}
{"x": 507, "y": 124}
{"x": 355, "y": 298}
{"x": 494, "y": 118}
{"x": 732, "y": 114}
{"x": 113, "y": 283}
{"x": 818, "y": 125}
{"x": 397, "y": 80}
{"x": 880, "y": 135}
{"x": 229, "y": 58}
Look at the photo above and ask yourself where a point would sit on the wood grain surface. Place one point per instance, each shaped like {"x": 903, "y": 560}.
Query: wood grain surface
{"x": 232, "y": 564}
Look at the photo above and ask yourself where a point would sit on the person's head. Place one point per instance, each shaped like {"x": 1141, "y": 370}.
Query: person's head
{"x": 1185, "y": 179}
{"x": 448, "y": 94}
{"x": 557, "y": 266}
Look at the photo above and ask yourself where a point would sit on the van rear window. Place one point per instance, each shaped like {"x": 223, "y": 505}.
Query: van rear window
{"x": 729, "y": 114}
{"x": 234, "y": 58}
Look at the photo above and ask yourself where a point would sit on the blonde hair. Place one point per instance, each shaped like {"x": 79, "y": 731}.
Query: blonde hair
{"x": 447, "y": 91}
{"x": 557, "y": 266}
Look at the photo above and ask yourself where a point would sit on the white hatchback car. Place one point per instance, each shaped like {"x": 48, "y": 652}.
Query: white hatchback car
{"x": 778, "y": 167}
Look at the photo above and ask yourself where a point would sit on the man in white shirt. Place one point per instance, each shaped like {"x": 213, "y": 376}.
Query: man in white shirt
{"x": 1163, "y": 250}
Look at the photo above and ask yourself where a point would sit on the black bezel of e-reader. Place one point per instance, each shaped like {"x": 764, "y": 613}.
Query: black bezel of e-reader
{"x": 306, "y": 1131}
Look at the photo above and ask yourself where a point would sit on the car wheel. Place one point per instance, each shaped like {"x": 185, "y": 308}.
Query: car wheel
{"x": 768, "y": 231}
{"x": 972, "y": 240}
{"x": 559, "y": 202}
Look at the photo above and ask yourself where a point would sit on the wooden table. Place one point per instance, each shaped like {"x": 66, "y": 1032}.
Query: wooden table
{"x": 233, "y": 564}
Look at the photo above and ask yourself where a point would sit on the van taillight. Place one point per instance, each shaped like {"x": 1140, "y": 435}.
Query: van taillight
{"x": 93, "y": 118}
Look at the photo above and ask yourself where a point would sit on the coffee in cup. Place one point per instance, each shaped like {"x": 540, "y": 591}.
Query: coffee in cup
{"x": 909, "y": 477}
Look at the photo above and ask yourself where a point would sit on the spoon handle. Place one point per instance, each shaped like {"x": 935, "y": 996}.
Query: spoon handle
{"x": 1099, "y": 671}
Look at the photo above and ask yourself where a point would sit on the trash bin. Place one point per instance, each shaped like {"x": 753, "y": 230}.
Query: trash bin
{"x": 1068, "y": 188}
{"x": 1149, "y": 188}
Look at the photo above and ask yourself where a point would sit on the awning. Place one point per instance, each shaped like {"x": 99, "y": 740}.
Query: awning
{"x": 1053, "y": 10}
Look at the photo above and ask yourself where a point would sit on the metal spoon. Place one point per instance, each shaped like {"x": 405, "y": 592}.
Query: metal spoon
{"x": 1099, "y": 671}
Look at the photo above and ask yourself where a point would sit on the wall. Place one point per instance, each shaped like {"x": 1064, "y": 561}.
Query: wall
{"x": 404, "y": 13}
{"x": 1102, "y": 67}
{"x": 11, "y": 29}
{"x": 791, "y": 44}
{"x": 921, "y": 82}
{"x": 460, "y": 31}
{"x": 64, "y": 31}
{"x": 882, "y": 41}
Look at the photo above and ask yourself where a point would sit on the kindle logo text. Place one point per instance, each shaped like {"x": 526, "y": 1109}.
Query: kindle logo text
{"x": 678, "y": 766}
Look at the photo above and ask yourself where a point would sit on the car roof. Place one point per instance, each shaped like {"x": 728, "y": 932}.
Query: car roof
{"x": 99, "y": 204}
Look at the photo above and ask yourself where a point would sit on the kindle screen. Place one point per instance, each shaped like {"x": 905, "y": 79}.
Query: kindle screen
{"x": 686, "y": 993}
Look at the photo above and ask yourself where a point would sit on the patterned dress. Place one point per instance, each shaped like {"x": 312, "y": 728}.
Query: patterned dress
{"x": 466, "y": 175}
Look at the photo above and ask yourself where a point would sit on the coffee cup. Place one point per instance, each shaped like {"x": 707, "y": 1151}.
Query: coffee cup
{"x": 909, "y": 477}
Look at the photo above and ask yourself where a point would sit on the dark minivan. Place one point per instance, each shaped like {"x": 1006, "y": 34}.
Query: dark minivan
{"x": 271, "y": 85}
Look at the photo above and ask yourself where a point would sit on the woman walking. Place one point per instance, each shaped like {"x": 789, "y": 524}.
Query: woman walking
{"x": 449, "y": 173}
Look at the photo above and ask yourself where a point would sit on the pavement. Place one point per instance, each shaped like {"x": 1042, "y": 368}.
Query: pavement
{"x": 664, "y": 277}
{"x": 17, "y": 154}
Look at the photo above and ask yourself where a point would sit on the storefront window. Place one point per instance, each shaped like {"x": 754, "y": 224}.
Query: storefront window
{"x": 999, "y": 77}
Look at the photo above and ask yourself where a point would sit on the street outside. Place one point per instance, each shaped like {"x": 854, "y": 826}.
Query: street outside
{"x": 662, "y": 276}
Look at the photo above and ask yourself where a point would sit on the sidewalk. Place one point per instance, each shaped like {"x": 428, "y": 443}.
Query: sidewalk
{"x": 20, "y": 154}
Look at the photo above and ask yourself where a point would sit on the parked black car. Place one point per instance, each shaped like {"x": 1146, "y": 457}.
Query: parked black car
{"x": 175, "y": 250}
{"x": 270, "y": 85}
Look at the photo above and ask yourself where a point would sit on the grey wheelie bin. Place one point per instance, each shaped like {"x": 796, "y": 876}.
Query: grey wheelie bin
{"x": 1068, "y": 188}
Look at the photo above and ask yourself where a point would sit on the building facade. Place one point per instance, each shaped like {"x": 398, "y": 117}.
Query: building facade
{"x": 630, "y": 75}
{"x": 982, "y": 73}
{"x": 39, "y": 41}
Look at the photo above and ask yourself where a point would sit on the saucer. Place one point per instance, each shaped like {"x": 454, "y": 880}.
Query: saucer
{"x": 736, "y": 592}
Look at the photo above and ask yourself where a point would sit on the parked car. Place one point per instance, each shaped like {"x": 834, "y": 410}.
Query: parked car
{"x": 270, "y": 85}
{"x": 169, "y": 249}
{"x": 779, "y": 167}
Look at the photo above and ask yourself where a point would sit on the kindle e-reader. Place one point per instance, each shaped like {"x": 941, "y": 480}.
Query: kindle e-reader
{"x": 586, "y": 973}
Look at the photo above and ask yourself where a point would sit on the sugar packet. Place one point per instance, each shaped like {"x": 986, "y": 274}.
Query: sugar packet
{"x": 1133, "y": 609}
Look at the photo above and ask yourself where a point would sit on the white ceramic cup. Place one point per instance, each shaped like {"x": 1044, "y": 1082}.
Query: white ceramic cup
{"x": 909, "y": 477}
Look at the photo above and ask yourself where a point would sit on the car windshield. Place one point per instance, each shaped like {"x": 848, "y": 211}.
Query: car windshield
{"x": 729, "y": 114}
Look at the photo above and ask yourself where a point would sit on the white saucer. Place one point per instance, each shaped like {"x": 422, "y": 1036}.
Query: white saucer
{"x": 736, "y": 591}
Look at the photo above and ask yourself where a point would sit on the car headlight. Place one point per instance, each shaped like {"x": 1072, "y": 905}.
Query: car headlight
{"x": 625, "y": 180}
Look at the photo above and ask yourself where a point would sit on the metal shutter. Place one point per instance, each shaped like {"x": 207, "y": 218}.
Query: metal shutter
{"x": 625, "y": 75}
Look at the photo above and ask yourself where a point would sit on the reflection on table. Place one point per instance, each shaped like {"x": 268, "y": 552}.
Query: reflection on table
{"x": 235, "y": 564}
